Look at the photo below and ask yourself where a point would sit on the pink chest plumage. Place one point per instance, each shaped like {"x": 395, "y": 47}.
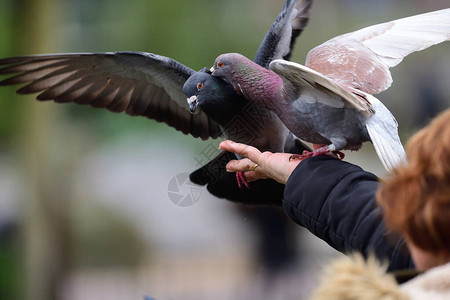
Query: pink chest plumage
{"x": 259, "y": 84}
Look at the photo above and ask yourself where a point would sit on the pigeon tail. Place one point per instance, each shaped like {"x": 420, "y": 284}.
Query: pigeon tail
{"x": 383, "y": 131}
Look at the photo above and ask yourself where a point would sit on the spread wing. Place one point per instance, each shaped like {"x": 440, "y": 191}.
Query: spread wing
{"x": 279, "y": 40}
{"x": 362, "y": 59}
{"x": 310, "y": 85}
{"x": 141, "y": 84}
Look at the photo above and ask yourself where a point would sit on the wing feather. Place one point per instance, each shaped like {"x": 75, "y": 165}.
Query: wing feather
{"x": 362, "y": 59}
{"x": 302, "y": 77}
{"x": 392, "y": 41}
{"x": 280, "y": 39}
{"x": 135, "y": 82}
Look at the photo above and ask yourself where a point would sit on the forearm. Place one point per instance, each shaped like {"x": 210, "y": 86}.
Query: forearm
{"x": 336, "y": 202}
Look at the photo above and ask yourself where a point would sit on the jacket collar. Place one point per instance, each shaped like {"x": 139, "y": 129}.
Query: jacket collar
{"x": 434, "y": 284}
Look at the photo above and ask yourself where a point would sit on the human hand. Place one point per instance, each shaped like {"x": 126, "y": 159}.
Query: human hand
{"x": 270, "y": 165}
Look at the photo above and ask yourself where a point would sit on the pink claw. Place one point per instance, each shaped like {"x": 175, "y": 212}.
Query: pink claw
{"x": 240, "y": 177}
{"x": 339, "y": 154}
{"x": 321, "y": 151}
{"x": 302, "y": 156}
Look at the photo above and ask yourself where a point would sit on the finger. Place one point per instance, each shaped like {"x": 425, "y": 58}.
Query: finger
{"x": 241, "y": 149}
{"x": 241, "y": 165}
{"x": 245, "y": 165}
{"x": 253, "y": 176}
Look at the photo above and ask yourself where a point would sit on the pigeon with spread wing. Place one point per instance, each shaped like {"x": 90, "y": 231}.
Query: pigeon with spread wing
{"x": 151, "y": 85}
{"x": 329, "y": 101}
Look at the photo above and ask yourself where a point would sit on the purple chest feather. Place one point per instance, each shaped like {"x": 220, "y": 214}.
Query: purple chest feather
{"x": 259, "y": 84}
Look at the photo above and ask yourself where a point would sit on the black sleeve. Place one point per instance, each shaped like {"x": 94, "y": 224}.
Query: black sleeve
{"x": 335, "y": 200}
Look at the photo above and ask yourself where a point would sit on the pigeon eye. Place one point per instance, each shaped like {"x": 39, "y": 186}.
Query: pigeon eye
{"x": 199, "y": 85}
{"x": 220, "y": 64}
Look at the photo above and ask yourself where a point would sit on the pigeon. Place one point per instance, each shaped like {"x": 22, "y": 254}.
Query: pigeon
{"x": 239, "y": 119}
{"x": 151, "y": 85}
{"x": 330, "y": 101}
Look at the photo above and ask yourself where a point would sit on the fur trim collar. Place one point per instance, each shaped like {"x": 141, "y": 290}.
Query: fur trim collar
{"x": 353, "y": 278}
{"x": 431, "y": 285}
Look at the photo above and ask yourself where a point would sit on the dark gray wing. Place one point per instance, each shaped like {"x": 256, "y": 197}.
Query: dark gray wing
{"x": 141, "y": 84}
{"x": 279, "y": 40}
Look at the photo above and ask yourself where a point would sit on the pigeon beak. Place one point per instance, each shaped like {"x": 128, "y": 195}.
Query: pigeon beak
{"x": 212, "y": 70}
{"x": 193, "y": 104}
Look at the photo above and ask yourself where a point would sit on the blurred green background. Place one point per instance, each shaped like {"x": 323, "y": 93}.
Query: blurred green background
{"x": 84, "y": 206}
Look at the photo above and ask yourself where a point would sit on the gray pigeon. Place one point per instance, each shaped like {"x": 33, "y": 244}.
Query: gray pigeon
{"x": 240, "y": 121}
{"x": 150, "y": 85}
{"x": 329, "y": 101}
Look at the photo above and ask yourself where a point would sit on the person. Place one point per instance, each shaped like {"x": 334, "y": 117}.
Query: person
{"x": 335, "y": 200}
{"x": 416, "y": 200}
{"x": 416, "y": 204}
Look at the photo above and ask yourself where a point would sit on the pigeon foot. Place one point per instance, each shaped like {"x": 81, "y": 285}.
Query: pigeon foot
{"x": 241, "y": 180}
{"x": 321, "y": 151}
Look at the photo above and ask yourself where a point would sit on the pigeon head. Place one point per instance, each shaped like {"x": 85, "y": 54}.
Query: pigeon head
{"x": 249, "y": 79}
{"x": 228, "y": 64}
{"x": 213, "y": 96}
{"x": 194, "y": 89}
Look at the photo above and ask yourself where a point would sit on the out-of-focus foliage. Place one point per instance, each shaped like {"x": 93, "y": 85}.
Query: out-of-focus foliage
{"x": 8, "y": 107}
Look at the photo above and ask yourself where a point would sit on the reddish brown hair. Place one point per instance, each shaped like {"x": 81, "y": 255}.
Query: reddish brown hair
{"x": 416, "y": 200}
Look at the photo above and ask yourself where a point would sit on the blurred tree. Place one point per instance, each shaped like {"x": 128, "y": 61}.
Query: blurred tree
{"x": 8, "y": 40}
{"x": 9, "y": 261}
{"x": 46, "y": 203}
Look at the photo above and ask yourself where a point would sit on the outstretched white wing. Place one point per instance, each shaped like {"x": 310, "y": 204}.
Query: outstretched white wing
{"x": 362, "y": 59}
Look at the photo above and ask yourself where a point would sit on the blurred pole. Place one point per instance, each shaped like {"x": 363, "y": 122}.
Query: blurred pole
{"x": 46, "y": 223}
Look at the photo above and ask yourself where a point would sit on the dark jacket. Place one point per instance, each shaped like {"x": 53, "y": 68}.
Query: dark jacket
{"x": 335, "y": 200}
